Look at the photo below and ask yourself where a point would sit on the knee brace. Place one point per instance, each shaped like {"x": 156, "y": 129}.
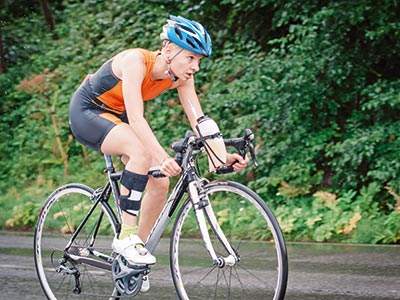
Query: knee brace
{"x": 135, "y": 183}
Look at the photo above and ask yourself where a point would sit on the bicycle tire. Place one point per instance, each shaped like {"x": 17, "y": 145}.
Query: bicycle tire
{"x": 262, "y": 271}
{"x": 63, "y": 211}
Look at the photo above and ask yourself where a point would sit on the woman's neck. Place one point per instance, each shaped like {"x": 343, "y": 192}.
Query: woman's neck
{"x": 159, "y": 68}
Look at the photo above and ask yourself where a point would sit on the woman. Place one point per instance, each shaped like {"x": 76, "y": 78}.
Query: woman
{"x": 106, "y": 114}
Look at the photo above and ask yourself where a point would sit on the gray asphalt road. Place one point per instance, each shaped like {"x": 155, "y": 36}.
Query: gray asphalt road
{"x": 317, "y": 272}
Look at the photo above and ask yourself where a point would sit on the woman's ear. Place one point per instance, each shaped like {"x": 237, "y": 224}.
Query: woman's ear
{"x": 167, "y": 48}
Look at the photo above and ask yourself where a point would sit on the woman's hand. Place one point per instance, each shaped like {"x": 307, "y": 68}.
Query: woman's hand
{"x": 237, "y": 161}
{"x": 169, "y": 167}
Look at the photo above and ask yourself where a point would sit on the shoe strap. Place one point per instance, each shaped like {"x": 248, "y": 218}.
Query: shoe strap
{"x": 136, "y": 239}
{"x": 139, "y": 245}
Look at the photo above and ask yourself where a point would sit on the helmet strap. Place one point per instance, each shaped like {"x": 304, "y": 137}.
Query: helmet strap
{"x": 169, "y": 59}
{"x": 175, "y": 53}
{"x": 170, "y": 73}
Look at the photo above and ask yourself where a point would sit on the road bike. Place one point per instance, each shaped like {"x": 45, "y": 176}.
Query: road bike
{"x": 225, "y": 242}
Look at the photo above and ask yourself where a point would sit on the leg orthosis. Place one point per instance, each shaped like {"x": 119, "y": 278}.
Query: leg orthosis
{"x": 136, "y": 184}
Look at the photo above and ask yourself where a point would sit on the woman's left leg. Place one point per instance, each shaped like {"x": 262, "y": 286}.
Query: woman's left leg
{"x": 152, "y": 204}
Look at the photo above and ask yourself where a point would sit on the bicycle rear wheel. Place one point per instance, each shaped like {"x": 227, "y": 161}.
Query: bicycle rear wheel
{"x": 253, "y": 232}
{"x": 63, "y": 270}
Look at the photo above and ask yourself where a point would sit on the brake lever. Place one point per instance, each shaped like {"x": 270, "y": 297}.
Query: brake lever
{"x": 252, "y": 153}
{"x": 249, "y": 136}
{"x": 240, "y": 145}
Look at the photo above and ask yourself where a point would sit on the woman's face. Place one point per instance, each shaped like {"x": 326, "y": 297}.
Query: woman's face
{"x": 185, "y": 64}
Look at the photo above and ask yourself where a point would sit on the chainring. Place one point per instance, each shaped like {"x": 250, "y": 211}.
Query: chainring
{"x": 128, "y": 278}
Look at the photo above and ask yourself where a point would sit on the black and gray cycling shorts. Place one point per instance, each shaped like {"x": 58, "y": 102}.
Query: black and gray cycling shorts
{"x": 90, "y": 119}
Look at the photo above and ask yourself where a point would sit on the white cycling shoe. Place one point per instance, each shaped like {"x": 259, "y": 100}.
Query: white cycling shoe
{"x": 145, "y": 284}
{"x": 132, "y": 248}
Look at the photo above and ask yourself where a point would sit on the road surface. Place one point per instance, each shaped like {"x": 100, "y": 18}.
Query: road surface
{"x": 317, "y": 272}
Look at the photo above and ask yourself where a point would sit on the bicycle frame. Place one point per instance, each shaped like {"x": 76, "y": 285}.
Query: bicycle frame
{"x": 190, "y": 183}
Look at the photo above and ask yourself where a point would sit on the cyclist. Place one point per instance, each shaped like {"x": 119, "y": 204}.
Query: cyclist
{"x": 106, "y": 114}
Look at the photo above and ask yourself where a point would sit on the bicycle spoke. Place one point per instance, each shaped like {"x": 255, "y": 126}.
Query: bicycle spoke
{"x": 63, "y": 213}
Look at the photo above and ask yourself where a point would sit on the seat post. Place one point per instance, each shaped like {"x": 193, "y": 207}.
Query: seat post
{"x": 109, "y": 164}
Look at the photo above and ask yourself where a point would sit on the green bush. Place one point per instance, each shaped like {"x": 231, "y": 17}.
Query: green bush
{"x": 317, "y": 82}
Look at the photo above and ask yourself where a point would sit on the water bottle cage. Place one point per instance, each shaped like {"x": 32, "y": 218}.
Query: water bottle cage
{"x": 211, "y": 136}
{"x": 204, "y": 139}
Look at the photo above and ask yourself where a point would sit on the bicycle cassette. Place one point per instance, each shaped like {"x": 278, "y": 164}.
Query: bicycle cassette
{"x": 128, "y": 278}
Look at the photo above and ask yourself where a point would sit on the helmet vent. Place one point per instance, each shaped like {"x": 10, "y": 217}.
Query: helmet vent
{"x": 178, "y": 32}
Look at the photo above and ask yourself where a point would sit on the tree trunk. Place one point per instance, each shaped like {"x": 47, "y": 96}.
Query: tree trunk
{"x": 48, "y": 15}
{"x": 3, "y": 67}
{"x": 62, "y": 152}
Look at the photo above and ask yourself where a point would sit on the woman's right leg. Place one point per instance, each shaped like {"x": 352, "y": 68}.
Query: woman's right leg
{"x": 121, "y": 140}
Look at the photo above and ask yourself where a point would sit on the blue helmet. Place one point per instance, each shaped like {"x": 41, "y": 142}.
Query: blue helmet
{"x": 187, "y": 34}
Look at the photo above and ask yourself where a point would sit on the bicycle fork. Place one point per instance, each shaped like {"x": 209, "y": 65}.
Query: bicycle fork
{"x": 201, "y": 204}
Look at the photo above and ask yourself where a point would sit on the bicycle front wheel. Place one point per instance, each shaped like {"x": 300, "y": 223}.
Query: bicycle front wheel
{"x": 254, "y": 234}
{"x": 74, "y": 268}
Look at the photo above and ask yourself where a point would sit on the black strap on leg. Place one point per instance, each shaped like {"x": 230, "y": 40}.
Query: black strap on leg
{"x": 136, "y": 184}
{"x": 134, "y": 181}
{"x": 129, "y": 206}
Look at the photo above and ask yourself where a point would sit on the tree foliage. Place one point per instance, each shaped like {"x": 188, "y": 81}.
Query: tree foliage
{"x": 317, "y": 81}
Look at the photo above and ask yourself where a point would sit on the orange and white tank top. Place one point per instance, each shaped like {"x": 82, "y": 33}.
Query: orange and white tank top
{"x": 107, "y": 87}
